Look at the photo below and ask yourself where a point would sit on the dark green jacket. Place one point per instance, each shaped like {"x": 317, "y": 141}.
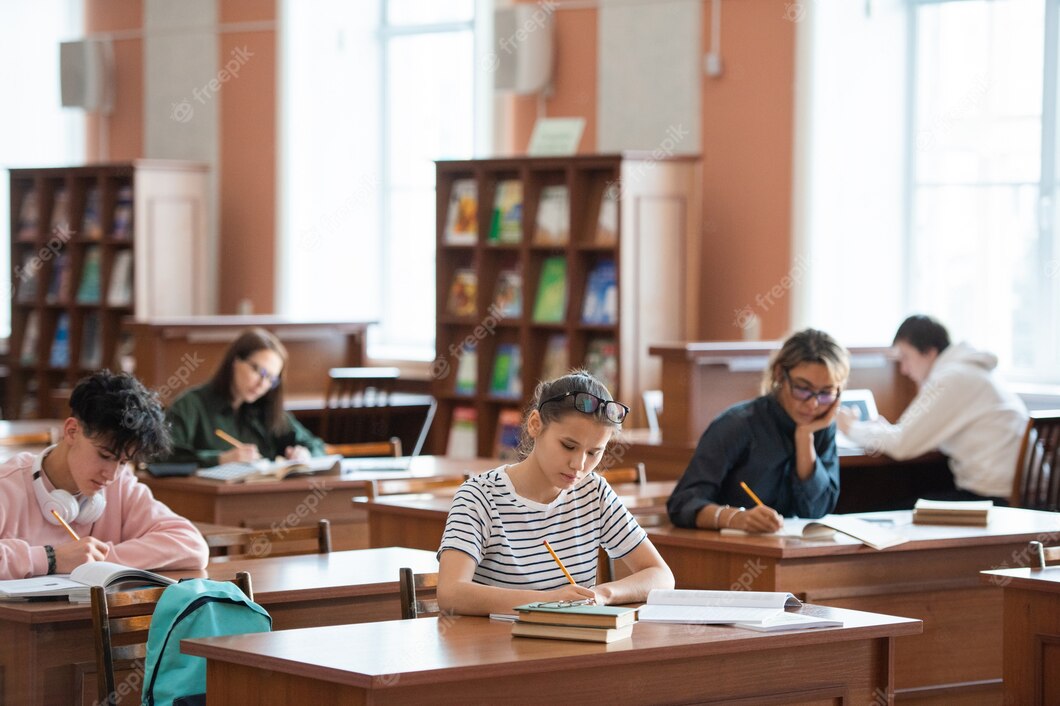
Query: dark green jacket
{"x": 195, "y": 415}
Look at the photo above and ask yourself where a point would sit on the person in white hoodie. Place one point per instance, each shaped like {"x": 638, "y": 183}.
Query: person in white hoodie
{"x": 960, "y": 409}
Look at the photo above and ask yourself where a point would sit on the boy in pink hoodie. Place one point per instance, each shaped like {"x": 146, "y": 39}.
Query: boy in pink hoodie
{"x": 87, "y": 480}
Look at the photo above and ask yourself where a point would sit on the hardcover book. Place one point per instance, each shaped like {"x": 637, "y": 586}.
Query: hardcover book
{"x": 570, "y": 632}
{"x": 597, "y": 616}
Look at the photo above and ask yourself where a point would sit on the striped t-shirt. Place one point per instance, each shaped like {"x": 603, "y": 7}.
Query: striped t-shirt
{"x": 504, "y": 533}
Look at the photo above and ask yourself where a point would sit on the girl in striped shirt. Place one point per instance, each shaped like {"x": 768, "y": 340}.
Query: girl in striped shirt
{"x": 492, "y": 557}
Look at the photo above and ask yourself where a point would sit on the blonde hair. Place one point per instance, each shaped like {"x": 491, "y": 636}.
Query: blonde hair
{"x": 807, "y": 346}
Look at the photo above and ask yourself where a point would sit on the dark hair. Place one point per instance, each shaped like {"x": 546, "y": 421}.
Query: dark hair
{"x": 923, "y": 333}
{"x": 807, "y": 346}
{"x": 574, "y": 381}
{"x": 126, "y": 417}
{"x": 271, "y": 403}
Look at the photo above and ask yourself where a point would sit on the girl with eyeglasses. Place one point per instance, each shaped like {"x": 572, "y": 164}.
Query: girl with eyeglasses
{"x": 493, "y": 557}
{"x": 782, "y": 445}
{"x": 244, "y": 399}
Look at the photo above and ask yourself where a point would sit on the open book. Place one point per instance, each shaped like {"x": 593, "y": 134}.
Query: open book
{"x": 77, "y": 583}
{"x": 868, "y": 533}
{"x": 791, "y": 621}
{"x": 265, "y": 470}
{"x": 714, "y": 607}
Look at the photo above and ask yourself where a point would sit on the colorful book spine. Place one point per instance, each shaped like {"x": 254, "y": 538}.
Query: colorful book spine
{"x": 88, "y": 292}
{"x": 550, "y": 306}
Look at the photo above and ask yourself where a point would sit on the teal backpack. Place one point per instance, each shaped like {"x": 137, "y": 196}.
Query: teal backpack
{"x": 193, "y": 608}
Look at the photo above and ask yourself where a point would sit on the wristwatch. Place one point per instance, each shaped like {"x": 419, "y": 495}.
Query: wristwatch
{"x": 50, "y": 552}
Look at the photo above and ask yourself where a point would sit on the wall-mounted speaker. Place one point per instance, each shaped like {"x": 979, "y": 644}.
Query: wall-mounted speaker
{"x": 86, "y": 75}
{"x": 522, "y": 47}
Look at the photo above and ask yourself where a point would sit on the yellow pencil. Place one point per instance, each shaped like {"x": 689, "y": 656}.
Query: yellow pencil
{"x": 560, "y": 563}
{"x": 228, "y": 437}
{"x": 750, "y": 492}
{"x": 66, "y": 526}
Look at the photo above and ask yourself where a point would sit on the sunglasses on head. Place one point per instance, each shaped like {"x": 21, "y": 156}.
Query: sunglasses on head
{"x": 588, "y": 403}
{"x": 802, "y": 393}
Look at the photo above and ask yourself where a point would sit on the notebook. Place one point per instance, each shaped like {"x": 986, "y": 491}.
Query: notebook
{"x": 77, "y": 583}
{"x": 394, "y": 463}
{"x": 862, "y": 402}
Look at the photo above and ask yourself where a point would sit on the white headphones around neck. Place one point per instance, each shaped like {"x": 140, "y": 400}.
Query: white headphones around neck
{"x": 86, "y": 510}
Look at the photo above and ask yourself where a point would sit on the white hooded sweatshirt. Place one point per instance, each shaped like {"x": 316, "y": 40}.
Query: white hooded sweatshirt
{"x": 963, "y": 412}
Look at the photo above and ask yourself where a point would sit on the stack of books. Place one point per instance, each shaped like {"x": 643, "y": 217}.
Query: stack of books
{"x": 585, "y": 623}
{"x": 939, "y": 512}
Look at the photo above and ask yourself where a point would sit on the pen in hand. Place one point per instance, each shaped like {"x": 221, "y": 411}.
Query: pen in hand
{"x": 67, "y": 527}
{"x": 560, "y": 563}
{"x": 747, "y": 489}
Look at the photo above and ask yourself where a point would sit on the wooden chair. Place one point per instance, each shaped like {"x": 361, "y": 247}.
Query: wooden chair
{"x": 632, "y": 474}
{"x": 350, "y": 391}
{"x": 281, "y": 541}
{"x": 401, "y": 486}
{"x": 412, "y": 605}
{"x": 121, "y": 638}
{"x": 1036, "y": 485}
{"x": 1042, "y": 555}
{"x": 391, "y": 447}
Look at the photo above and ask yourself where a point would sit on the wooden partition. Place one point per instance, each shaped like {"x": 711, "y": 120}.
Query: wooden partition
{"x": 700, "y": 380}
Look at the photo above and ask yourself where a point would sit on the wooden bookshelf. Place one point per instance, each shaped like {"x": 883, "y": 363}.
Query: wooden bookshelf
{"x": 103, "y": 242}
{"x": 654, "y": 220}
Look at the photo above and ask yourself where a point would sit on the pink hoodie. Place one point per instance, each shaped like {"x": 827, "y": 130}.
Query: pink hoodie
{"x": 142, "y": 532}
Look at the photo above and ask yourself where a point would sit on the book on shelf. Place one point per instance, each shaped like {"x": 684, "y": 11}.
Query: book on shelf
{"x": 461, "y": 224}
{"x": 556, "y": 362}
{"x": 601, "y": 294}
{"x": 30, "y": 339}
{"x": 791, "y": 621}
{"x": 266, "y": 470}
{"x": 120, "y": 291}
{"x": 78, "y": 583}
{"x": 509, "y": 432}
{"x": 28, "y": 217}
{"x": 506, "y": 380}
{"x": 92, "y": 221}
{"x": 462, "y": 292}
{"x": 463, "y": 434}
{"x": 59, "y": 287}
{"x": 939, "y": 512}
{"x": 27, "y": 278}
{"x": 60, "y": 352}
{"x": 607, "y": 218}
{"x": 553, "y": 216}
{"x": 123, "y": 214}
{"x": 550, "y": 305}
{"x": 467, "y": 371}
{"x": 506, "y": 225}
{"x": 714, "y": 607}
{"x": 509, "y": 299}
{"x": 582, "y": 615}
{"x": 88, "y": 291}
{"x": 601, "y": 360}
{"x": 570, "y": 632}
{"x": 870, "y": 533}
{"x": 60, "y": 222}
{"x": 91, "y": 342}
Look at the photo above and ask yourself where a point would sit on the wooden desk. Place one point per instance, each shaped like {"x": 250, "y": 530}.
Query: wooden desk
{"x": 43, "y": 641}
{"x": 296, "y": 500}
{"x": 934, "y": 577}
{"x": 175, "y": 353}
{"x": 1032, "y": 633}
{"x": 418, "y": 520}
{"x": 460, "y": 660}
{"x": 700, "y": 380}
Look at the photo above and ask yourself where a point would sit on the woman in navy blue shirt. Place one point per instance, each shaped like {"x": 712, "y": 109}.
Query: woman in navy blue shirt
{"x": 781, "y": 444}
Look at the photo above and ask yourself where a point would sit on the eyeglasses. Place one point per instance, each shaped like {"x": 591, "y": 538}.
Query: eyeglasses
{"x": 588, "y": 403}
{"x": 273, "y": 380}
{"x": 563, "y": 604}
{"x": 802, "y": 394}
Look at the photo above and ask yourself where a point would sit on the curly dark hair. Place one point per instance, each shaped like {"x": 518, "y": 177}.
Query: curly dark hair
{"x": 123, "y": 415}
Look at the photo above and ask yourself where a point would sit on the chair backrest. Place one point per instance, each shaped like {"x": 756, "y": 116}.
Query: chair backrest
{"x": 412, "y": 586}
{"x": 653, "y": 404}
{"x": 1036, "y": 484}
{"x": 349, "y": 391}
{"x": 391, "y": 447}
{"x": 1042, "y": 556}
{"x": 121, "y": 638}
{"x": 630, "y": 474}
{"x": 402, "y": 486}
{"x": 260, "y": 543}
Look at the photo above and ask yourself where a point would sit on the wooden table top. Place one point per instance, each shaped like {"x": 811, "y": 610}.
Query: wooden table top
{"x": 1006, "y": 525}
{"x": 1045, "y": 580}
{"x": 432, "y": 650}
{"x": 275, "y": 579}
{"x": 650, "y": 496}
